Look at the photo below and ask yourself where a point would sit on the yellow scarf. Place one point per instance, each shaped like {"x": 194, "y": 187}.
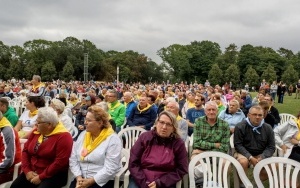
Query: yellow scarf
{"x": 60, "y": 128}
{"x": 89, "y": 145}
{"x": 146, "y": 108}
{"x": 178, "y": 118}
{"x": 73, "y": 102}
{"x": 298, "y": 125}
{"x": 35, "y": 88}
{"x": 31, "y": 114}
{"x": 190, "y": 104}
{"x": 4, "y": 122}
{"x": 112, "y": 108}
{"x": 125, "y": 103}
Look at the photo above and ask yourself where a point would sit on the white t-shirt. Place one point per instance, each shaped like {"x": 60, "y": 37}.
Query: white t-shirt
{"x": 27, "y": 122}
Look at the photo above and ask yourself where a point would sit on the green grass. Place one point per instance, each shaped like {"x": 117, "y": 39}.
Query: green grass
{"x": 290, "y": 104}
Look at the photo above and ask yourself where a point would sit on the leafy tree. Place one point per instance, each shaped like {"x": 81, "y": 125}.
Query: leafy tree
{"x": 251, "y": 77}
{"x": 232, "y": 74}
{"x": 290, "y": 75}
{"x": 31, "y": 69}
{"x": 269, "y": 74}
{"x": 215, "y": 75}
{"x": 229, "y": 57}
{"x": 68, "y": 72}
{"x": 2, "y": 72}
{"x": 48, "y": 71}
{"x": 248, "y": 56}
{"x": 15, "y": 70}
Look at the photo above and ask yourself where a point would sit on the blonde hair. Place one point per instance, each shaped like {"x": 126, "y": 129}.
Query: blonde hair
{"x": 100, "y": 115}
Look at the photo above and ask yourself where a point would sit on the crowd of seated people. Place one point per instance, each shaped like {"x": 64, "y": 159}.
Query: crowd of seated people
{"x": 170, "y": 113}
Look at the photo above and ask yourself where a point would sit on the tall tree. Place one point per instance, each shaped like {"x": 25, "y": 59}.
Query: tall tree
{"x": 251, "y": 77}
{"x": 269, "y": 74}
{"x": 290, "y": 75}
{"x": 215, "y": 75}
{"x": 232, "y": 74}
{"x": 31, "y": 69}
{"x": 48, "y": 71}
{"x": 68, "y": 72}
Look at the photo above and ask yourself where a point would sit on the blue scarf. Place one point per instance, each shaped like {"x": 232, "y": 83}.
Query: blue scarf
{"x": 254, "y": 128}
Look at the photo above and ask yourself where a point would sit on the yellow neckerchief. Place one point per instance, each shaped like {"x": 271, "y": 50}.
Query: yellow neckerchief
{"x": 4, "y": 122}
{"x": 73, "y": 102}
{"x": 109, "y": 116}
{"x": 31, "y": 114}
{"x": 220, "y": 105}
{"x": 89, "y": 145}
{"x": 179, "y": 99}
{"x": 125, "y": 103}
{"x": 269, "y": 108}
{"x": 35, "y": 88}
{"x": 298, "y": 125}
{"x": 59, "y": 128}
{"x": 190, "y": 104}
{"x": 144, "y": 109}
{"x": 178, "y": 118}
{"x": 113, "y": 106}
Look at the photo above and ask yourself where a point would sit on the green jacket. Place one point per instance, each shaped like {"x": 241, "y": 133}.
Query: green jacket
{"x": 11, "y": 115}
{"x": 117, "y": 112}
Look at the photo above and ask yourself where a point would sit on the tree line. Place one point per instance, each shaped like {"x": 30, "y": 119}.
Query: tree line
{"x": 197, "y": 61}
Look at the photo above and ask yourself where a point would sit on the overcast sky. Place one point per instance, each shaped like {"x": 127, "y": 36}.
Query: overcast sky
{"x": 146, "y": 26}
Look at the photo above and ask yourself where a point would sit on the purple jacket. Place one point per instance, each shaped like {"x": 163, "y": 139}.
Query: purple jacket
{"x": 153, "y": 158}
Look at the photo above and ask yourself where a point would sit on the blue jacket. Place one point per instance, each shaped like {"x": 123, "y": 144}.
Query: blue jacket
{"x": 130, "y": 107}
{"x": 232, "y": 119}
{"x": 146, "y": 118}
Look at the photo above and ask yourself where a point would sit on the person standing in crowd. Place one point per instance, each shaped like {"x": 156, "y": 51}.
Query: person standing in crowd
{"x": 146, "y": 169}
{"x": 273, "y": 90}
{"x": 38, "y": 88}
{"x": 298, "y": 90}
{"x": 281, "y": 91}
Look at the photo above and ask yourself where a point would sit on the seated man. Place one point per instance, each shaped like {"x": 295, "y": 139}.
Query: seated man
{"x": 116, "y": 110}
{"x": 182, "y": 123}
{"x": 210, "y": 132}
{"x": 194, "y": 113}
{"x": 143, "y": 115}
{"x": 253, "y": 139}
{"x": 8, "y": 112}
{"x": 128, "y": 102}
{"x": 10, "y": 150}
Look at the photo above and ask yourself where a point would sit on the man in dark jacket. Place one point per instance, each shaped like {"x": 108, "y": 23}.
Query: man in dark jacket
{"x": 253, "y": 139}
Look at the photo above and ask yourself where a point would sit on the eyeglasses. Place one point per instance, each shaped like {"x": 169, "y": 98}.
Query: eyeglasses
{"x": 110, "y": 96}
{"x": 165, "y": 123}
{"x": 257, "y": 115}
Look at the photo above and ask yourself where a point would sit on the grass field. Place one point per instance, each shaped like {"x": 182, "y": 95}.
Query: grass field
{"x": 290, "y": 104}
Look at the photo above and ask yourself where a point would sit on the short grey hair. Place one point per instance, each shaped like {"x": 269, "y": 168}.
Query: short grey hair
{"x": 58, "y": 105}
{"x": 128, "y": 93}
{"x": 211, "y": 103}
{"x": 103, "y": 105}
{"x": 37, "y": 78}
{"x": 48, "y": 115}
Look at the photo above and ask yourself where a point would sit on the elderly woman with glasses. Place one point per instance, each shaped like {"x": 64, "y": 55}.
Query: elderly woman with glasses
{"x": 45, "y": 157}
{"x": 96, "y": 155}
{"x": 159, "y": 157}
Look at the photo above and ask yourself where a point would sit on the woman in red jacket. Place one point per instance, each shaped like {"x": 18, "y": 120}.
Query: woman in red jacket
{"x": 45, "y": 157}
{"x": 158, "y": 159}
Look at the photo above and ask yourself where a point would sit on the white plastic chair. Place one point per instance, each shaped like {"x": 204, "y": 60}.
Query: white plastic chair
{"x": 284, "y": 117}
{"x": 125, "y": 162}
{"x": 22, "y": 142}
{"x": 75, "y": 131}
{"x": 191, "y": 145}
{"x": 282, "y": 172}
{"x": 215, "y": 170}
{"x": 130, "y": 135}
{"x": 17, "y": 169}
